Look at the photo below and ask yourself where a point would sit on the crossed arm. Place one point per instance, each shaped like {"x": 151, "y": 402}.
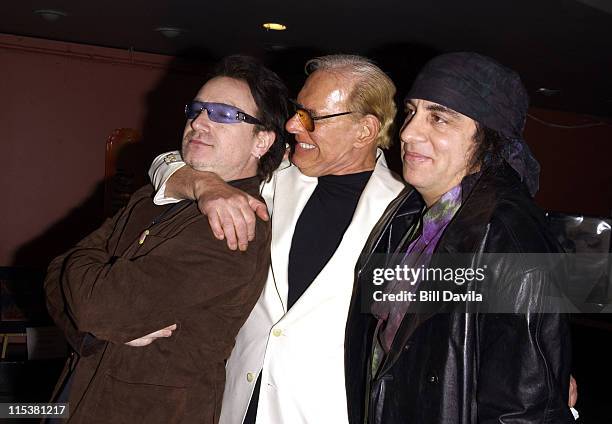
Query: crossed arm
{"x": 122, "y": 298}
{"x": 89, "y": 291}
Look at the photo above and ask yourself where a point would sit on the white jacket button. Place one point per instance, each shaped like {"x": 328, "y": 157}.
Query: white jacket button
{"x": 250, "y": 377}
{"x": 277, "y": 332}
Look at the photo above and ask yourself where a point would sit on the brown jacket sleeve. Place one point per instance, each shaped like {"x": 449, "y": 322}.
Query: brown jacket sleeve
{"x": 120, "y": 299}
{"x": 55, "y": 299}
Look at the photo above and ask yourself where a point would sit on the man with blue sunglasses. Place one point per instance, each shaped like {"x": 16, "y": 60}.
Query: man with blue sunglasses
{"x": 152, "y": 267}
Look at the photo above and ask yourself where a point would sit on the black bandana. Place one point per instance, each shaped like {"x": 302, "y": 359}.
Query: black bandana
{"x": 489, "y": 93}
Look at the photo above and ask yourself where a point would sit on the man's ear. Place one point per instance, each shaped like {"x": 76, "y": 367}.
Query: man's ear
{"x": 367, "y": 131}
{"x": 263, "y": 142}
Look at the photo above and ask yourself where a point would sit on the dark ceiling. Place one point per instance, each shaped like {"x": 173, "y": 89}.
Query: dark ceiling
{"x": 562, "y": 45}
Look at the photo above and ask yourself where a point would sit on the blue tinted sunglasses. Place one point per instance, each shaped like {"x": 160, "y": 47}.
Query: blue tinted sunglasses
{"x": 219, "y": 112}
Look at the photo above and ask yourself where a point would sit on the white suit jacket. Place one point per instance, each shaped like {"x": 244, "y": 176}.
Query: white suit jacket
{"x": 300, "y": 352}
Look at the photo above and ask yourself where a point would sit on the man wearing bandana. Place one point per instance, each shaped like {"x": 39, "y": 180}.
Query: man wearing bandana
{"x": 472, "y": 179}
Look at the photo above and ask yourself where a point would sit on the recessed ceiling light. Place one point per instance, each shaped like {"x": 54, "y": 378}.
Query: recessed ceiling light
{"x": 548, "y": 91}
{"x": 274, "y": 26}
{"x": 50, "y": 15}
{"x": 170, "y": 32}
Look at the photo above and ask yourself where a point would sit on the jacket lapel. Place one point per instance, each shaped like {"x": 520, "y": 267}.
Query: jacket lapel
{"x": 464, "y": 234}
{"x": 382, "y": 187}
{"x": 291, "y": 192}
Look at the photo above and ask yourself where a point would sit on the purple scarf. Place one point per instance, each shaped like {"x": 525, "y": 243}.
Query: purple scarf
{"x": 419, "y": 253}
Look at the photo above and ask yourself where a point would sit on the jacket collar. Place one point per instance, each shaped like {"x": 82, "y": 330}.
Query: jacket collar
{"x": 292, "y": 192}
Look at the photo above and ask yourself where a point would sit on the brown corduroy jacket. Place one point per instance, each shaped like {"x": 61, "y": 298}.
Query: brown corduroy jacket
{"x": 147, "y": 268}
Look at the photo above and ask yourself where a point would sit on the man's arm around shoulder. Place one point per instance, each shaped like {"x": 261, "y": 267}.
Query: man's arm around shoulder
{"x": 231, "y": 212}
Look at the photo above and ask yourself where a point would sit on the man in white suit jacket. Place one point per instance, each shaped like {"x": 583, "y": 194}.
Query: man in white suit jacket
{"x": 288, "y": 362}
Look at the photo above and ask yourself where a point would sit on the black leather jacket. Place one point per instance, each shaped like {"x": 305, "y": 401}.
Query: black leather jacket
{"x": 464, "y": 367}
